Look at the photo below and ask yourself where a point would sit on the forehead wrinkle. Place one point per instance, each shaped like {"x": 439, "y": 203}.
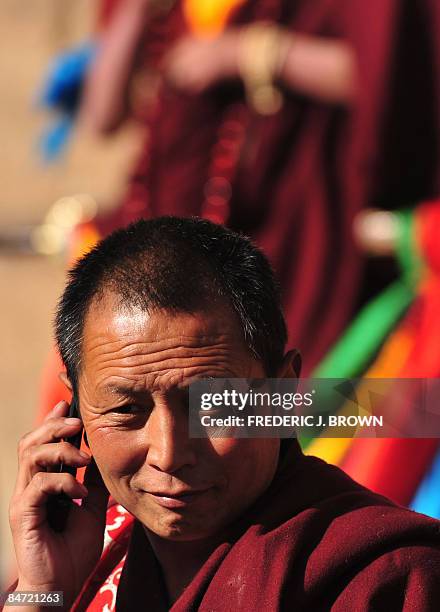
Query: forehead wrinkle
{"x": 141, "y": 383}
{"x": 148, "y": 352}
{"x": 141, "y": 352}
{"x": 167, "y": 342}
{"x": 167, "y": 358}
{"x": 167, "y": 365}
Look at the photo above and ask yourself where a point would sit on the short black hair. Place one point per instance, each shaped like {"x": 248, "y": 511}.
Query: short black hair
{"x": 175, "y": 264}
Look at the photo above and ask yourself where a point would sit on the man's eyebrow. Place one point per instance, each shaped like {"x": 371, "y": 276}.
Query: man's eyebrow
{"x": 124, "y": 390}
{"x": 194, "y": 379}
{"x": 130, "y": 391}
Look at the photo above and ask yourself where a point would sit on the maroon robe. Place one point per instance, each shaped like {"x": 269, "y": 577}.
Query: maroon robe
{"x": 314, "y": 541}
{"x": 303, "y": 174}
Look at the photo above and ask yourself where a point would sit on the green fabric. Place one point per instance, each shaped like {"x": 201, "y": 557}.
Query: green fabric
{"x": 353, "y": 352}
{"x": 407, "y": 249}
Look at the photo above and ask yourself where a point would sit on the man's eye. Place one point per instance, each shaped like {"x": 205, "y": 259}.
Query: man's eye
{"x": 131, "y": 409}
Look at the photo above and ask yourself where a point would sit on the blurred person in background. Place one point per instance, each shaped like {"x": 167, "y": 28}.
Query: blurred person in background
{"x": 248, "y": 126}
{"x": 273, "y": 117}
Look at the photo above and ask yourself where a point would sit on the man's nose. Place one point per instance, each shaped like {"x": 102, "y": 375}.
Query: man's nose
{"x": 169, "y": 446}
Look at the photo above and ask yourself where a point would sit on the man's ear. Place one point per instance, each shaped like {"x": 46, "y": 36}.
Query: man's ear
{"x": 291, "y": 365}
{"x": 65, "y": 380}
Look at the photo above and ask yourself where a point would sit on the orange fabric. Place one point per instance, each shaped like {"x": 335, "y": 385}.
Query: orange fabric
{"x": 393, "y": 355}
{"x": 208, "y": 18}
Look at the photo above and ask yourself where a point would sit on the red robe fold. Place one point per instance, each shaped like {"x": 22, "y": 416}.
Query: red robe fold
{"x": 314, "y": 541}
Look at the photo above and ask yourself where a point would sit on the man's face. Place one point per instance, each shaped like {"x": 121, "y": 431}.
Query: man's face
{"x": 133, "y": 391}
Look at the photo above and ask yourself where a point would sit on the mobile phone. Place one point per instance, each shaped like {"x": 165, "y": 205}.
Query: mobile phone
{"x": 58, "y": 506}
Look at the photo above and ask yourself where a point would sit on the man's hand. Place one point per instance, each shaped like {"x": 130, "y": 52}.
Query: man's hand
{"x": 48, "y": 560}
{"x": 194, "y": 64}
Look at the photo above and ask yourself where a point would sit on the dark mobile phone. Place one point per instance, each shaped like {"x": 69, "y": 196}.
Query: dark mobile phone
{"x": 59, "y": 505}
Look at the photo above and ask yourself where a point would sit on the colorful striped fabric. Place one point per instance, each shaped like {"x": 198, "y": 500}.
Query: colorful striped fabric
{"x": 395, "y": 467}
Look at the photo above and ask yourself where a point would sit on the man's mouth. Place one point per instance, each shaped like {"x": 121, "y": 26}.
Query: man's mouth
{"x": 178, "y": 500}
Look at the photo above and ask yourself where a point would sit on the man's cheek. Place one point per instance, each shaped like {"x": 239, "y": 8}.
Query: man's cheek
{"x": 115, "y": 453}
{"x": 232, "y": 454}
{"x": 225, "y": 448}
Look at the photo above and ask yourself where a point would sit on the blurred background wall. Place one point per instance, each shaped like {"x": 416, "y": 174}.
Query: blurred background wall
{"x": 31, "y": 33}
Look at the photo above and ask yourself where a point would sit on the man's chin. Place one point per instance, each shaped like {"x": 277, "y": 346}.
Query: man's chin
{"x": 177, "y": 519}
{"x": 179, "y": 526}
{"x": 179, "y": 529}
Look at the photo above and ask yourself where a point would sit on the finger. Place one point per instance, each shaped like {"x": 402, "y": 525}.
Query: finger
{"x": 51, "y": 430}
{"x": 47, "y": 457}
{"x": 97, "y": 498}
{"x": 58, "y": 410}
{"x": 29, "y": 509}
{"x": 45, "y": 484}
